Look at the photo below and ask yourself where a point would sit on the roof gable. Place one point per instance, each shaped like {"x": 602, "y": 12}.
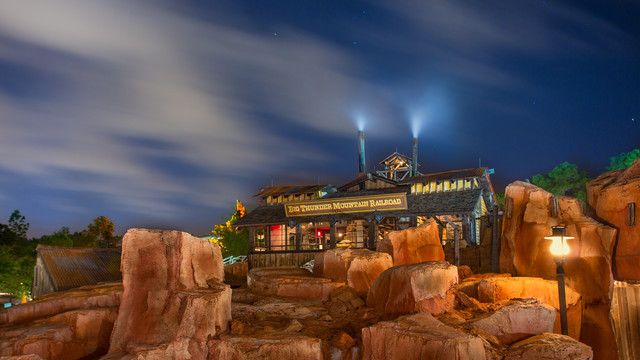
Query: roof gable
{"x": 72, "y": 267}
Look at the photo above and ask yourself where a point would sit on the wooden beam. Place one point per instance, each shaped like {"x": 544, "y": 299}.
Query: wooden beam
{"x": 332, "y": 235}
{"x": 494, "y": 241}
{"x": 298, "y": 237}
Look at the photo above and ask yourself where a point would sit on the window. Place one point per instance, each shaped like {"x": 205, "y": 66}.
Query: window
{"x": 631, "y": 214}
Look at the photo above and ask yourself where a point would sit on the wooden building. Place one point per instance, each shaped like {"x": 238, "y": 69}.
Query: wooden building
{"x": 289, "y": 228}
{"x": 63, "y": 268}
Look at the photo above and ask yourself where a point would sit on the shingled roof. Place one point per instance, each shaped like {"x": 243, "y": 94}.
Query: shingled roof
{"x": 443, "y": 203}
{"x": 70, "y": 267}
{"x": 290, "y": 190}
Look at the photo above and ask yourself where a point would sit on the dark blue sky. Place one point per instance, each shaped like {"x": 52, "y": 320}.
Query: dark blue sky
{"x": 162, "y": 114}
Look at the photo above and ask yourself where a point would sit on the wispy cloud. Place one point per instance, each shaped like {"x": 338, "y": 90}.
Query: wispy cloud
{"x": 117, "y": 75}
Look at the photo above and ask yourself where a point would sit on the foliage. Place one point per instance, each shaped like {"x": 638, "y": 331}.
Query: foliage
{"x": 564, "y": 179}
{"x": 500, "y": 199}
{"x": 18, "y": 224}
{"x": 102, "y": 229}
{"x": 623, "y": 160}
{"x": 17, "y": 256}
{"x": 233, "y": 241}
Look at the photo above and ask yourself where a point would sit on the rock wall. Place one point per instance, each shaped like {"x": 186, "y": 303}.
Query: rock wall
{"x": 358, "y": 268}
{"x": 426, "y": 287}
{"x": 525, "y": 252}
{"x": 413, "y": 245}
{"x": 173, "y": 299}
{"x": 609, "y": 196}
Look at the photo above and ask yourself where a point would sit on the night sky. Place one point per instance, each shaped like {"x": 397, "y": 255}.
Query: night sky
{"x": 162, "y": 114}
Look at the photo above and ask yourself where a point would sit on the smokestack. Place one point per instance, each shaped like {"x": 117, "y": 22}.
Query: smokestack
{"x": 414, "y": 161}
{"x": 361, "y": 162}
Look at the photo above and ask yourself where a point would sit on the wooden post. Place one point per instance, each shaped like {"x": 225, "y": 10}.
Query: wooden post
{"x": 332, "y": 235}
{"x": 494, "y": 241}
{"x": 456, "y": 245}
{"x": 298, "y": 237}
{"x": 252, "y": 239}
{"x": 267, "y": 237}
{"x": 373, "y": 234}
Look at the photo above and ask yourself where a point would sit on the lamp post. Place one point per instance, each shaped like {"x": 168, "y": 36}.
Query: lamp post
{"x": 560, "y": 249}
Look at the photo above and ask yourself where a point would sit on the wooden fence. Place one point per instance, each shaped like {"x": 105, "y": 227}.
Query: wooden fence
{"x": 625, "y": 310}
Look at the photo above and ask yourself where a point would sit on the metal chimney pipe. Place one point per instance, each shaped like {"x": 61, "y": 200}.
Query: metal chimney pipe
{"x": 414, "y": 161}
{"x": 361, "y": 161}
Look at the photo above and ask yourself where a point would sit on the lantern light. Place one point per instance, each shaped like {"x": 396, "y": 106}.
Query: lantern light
{"x": 559, "y": 246}
{"x": 560, "y": 249}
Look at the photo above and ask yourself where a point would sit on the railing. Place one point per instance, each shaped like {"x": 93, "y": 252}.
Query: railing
{"x": 234, "y": 259}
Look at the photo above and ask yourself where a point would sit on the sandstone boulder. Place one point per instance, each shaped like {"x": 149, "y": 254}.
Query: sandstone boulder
{"x": 84, "y": 297}
{"x": 549, "y": 346}
{"x": 406, "y": 289}
{"x": 74, "y": 334}
{"x": 609, "y": 196}
{"x": 290, "y": 281}
{"x": 413, "y": 245}
{"x": 265, "y": 346}
{"x": 419, "y": 336}
{"x": 358, "y": 268}
{"x": 506, "y": 288}
{"x": 525, "y": 252}
{"x": 173, "y": 299}
{"x": 518, "y": 319}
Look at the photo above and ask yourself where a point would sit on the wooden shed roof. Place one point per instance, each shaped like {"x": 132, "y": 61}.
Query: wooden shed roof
{"x": 443, "y": 203}
{"x": 290, "y": 190}
{"x": 70, "y": 267}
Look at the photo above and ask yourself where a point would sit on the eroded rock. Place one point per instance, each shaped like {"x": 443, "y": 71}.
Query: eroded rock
{"x": 84, "y": 297}
{"x": 413, "y": 245}
{"x": 609, "y": 195}
{"x": 525, "y": 252}
{"x": 74, "y": 334}
{"x": 549, "y": 346}
{"x": 518, "y": 319}
{"x": 173, "y": 299}
{"x": 266, "y": 346}
{"x": 358, "y": 268}
{"x": 290, "y": 281}
{"x": 506, "y": 288}
{"x": 419, "y": 336}
{"x": 406, "y": 289}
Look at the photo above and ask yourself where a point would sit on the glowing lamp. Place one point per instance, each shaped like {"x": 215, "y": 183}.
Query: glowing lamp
{"x": 319, "y": 233}
{"x": 560, "y": 249}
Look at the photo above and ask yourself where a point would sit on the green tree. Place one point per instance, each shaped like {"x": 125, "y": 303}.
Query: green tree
{"x": 17, "y": 256}
{"x": 500, "y": 199}
{"x": 18, "y": 224}
{"x": 102, "y": 229}
{"x": 623, "y": 160}
{"x": 564, "y": 179}
{"x": 233, "y": 241}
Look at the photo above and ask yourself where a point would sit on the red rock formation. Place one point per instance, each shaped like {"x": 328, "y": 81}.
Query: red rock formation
{"x": 525, "y": 252}
{"x": 551, "y": 347}
{"x": 266, "y": 346}
{"x": 173, "y": 299}
{"x": 609, "y": 196}
{"x": 519, "y": 319}
{"x": 406, "y": 289}
{"x": 75, "y": 334}
{"x": 290, "y": 281}
{"x": 358, "y": 268}
{"x": 506, "y": 288}
{"x": 414, "y": 245}
{"x": 419, "y": 336}
{"x": 84, "y": 297}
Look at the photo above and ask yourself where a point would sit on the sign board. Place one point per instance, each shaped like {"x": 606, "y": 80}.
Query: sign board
{"x": 387, "y": 202}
